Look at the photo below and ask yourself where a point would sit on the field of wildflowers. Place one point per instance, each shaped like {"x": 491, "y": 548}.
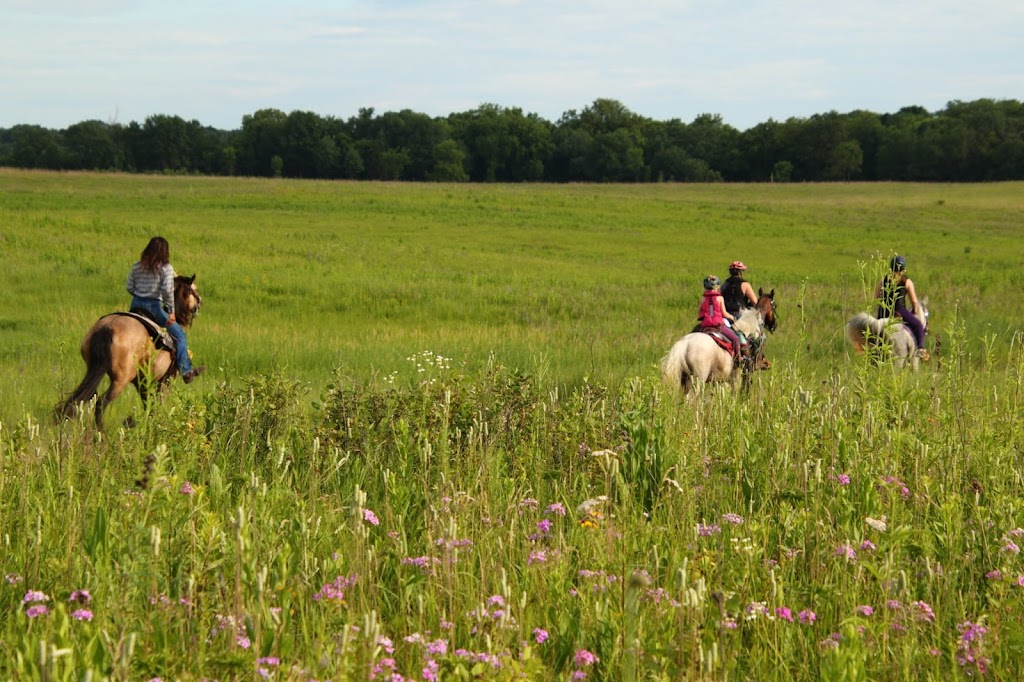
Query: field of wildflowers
{"x": 475, "y": 515}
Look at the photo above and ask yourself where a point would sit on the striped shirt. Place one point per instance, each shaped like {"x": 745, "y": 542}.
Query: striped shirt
{"x": 146, "y": 284}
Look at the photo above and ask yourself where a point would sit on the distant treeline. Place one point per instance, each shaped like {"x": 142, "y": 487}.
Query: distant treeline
{"x": 605, "y": 142}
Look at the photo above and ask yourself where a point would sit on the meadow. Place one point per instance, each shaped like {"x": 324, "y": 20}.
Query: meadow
{"x": 433, "y": 441}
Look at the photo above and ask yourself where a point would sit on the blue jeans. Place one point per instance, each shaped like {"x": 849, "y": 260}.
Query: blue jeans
{"x": 157, "y": 312}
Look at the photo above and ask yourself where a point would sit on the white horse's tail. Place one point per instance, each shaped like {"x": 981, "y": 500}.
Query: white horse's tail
{"x": 860, "y": 327}
{"x": 674, "y": 367}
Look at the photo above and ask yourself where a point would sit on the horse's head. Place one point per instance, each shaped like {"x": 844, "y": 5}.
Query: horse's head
{"x": 187, "y": 300}
{"x": 766, "y": 306}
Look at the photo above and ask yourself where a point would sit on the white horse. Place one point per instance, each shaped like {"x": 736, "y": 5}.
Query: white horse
{"x": 697, "y": 357}
{"x": 865, "y": 332}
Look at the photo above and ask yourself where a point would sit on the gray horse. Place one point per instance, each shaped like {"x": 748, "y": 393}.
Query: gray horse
{"x": 866, "y": 332}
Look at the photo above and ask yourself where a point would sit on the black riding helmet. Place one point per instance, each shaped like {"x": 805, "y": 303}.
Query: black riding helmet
{"x": 898, "y": 264}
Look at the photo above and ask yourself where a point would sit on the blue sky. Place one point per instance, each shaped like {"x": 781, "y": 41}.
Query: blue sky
{"x": 65, "y": 61}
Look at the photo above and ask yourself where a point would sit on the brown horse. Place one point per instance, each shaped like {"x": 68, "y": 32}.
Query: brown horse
{"x": 119, "y": 346}
{"x": 766, "y": 306}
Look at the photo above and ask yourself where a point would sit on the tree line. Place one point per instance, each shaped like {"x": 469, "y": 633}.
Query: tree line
{"x": 974, "y": 141}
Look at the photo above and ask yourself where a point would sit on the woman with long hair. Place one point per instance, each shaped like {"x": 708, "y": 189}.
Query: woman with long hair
{"x": 151, "y": 284}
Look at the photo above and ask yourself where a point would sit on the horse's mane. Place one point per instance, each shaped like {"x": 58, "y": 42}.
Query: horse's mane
{"x": 749, "y": 322}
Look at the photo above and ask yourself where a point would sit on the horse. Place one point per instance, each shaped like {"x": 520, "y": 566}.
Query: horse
{"x": 766, "y": 305}
{"x": 866, "y": 332}
{"x": 697, "y": 356}
{"x": 120, "y": 346}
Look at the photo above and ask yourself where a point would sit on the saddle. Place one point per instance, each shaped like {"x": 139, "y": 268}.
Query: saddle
{"x": 161, "y": 339}
{"x": 724, "y": 343}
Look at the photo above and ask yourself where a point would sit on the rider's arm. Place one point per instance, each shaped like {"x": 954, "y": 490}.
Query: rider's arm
{"x": 912, "y": 296}
{"x": 720, "y": 302}
{"x": 748, "y": 291}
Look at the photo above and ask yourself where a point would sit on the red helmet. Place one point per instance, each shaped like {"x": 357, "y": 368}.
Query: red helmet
{"x": 737, "y": 265}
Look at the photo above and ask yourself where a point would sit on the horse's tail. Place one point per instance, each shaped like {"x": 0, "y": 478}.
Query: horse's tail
{"x": 862, "y": 326}
{"x": 99, "y": 363}
{"x": 674, "y": 367}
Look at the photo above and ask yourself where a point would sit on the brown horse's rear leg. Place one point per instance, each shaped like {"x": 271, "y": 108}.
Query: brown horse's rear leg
{"x": 116, "y": 386}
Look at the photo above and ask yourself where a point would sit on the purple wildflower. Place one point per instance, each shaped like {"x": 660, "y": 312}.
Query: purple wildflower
{"x": 556, "y": 508}
{"x": 865, "y": 610}
{"x": 544, "y": 526}
{"x": 537, "y": 557}
{"x": 924, "y": 611}
{"x": 82, "y": 614}
{"x": 807, "y": 616}
{"x": 784, "y": 613}
{"x": 187, "y": 489}
{"x": 13, "y": 578}
{"x": 706, "y": 530}
{"x": 868, "y": 546}
{"x": 80, "y": 596}
{"x": 994, "y": 575}
{"x": 438, "y": 647}
{"x": 370, "y": 517}
{"x": 34, "y": 596}
{"x": 847, "y": 552}
{"x": 843, "y": 479}
{"x": 584, "y": 657}
{"x": 269, "y": 660}
{"x": 36, "y": 610}
{"x": 1011, "y": 547}
{"x": 734, "y": 519}
{"x": 540, "y": 635}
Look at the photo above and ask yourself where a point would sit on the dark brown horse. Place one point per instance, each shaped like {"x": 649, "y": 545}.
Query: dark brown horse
{"x": 120, "y": 346}
{"x": 766, "y": 306}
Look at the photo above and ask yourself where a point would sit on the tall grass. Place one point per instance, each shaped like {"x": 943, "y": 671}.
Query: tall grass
{"x": 488, "y": 499}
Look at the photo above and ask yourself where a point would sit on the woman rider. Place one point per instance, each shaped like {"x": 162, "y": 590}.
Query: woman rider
{"x": 893, "y": 293}
{"x": 151, "y": 284}
{"x": 736, "y": 291}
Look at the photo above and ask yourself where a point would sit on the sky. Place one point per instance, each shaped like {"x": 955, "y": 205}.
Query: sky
{"x": 67, "y": 61}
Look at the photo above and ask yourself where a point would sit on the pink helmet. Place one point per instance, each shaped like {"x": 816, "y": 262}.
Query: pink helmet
{"x": 737, "y": 265}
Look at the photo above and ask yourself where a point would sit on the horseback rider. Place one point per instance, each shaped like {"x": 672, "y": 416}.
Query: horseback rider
{"x": 736, "y": 291}
{"x": 151, "y": 284}
{"x": 713, "y": 316}
{"x": 893, "y": 293}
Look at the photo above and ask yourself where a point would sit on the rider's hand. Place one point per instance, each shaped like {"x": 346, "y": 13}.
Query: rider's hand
{"x": 171, "y": 319}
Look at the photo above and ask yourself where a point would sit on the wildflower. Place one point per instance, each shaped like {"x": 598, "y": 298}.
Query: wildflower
{"x": 755, "y": 609}
{"x": 897, "y": 627}
{"x": 496, "y": 600}
{"x": 994, "y": 575}
{"x": 584, "y": 657}
{"x": 34, "y": 596}
{"x": 80, "y": 596}
{"x": 1020, "y": 580}
{"x": 370, "y": 517}
{"x": 847, "y": 552}
{"x": 807, "y": 617}
{"x": 783, "y": 613}
{"x": 924, "y": 611}
{"x": 544, "y": 526}
{"x": 13, "y": 578}
{"x": 556, "y": 508}
{"x": 578, "y": 675}
{"x": 706, "y": 530}
{"x": 386, "y": 644}
{"x": 187, "y": 489}
{"x": 1016, "y": 532}
{"x": 446, "y": 625}
{"x": 865, "y": 610}
{"x": 540, "y": 635}
{"x": 36, "y": 610}
{"x": 382, "y": 667}
{"x": 893, "y": 605}
{"x": 528, "y": 503}
{"x": 269, "y": 660}
{"x": 430, "y": 671}
{"x": 843, "y": 479}
{"x": 730, "y": 624}
{"x": 243, "y": 641}
{"x": 82, "y": 614}
{"x": 867, "y": 546}
{"x": 934, "y": 652}
{"x": 335, "y": 591}
{"x": 438, "y": 647}
{"x": 1012, "y": 547}
{"x": 734, "y": 519}
{"x": 537, "y": 557}
{"x": 878, "y": 524}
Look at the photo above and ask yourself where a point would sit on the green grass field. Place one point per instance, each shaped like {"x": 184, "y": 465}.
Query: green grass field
{"x": 433, "y": 440}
